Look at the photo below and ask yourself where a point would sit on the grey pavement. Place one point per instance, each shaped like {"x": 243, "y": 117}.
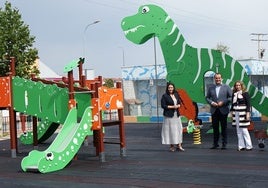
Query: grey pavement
{"x": 148, "y": 163}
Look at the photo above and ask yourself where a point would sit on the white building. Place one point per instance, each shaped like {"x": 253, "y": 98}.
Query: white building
{"x": 144, "y": 85}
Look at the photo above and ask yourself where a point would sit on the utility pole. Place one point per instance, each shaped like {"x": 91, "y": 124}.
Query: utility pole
{"x": 259, "y": 39}
{"x": 123, "y": 53}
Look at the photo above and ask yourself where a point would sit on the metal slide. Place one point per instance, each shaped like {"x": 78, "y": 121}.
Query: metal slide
{"x": 64, "y": 147}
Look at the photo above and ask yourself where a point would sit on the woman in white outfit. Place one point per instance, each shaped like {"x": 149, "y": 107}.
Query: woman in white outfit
{"x": 241, "y": 115}
{"x": 172, "y": 131}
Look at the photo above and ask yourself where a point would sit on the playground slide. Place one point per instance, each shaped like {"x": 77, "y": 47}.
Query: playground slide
{"x": 45, "y": 129}
{"x": 63, "y": 148}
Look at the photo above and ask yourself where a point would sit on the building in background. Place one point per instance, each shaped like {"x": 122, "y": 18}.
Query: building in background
{"x": 143, "y": 87}
{"x": 46, "y": 72}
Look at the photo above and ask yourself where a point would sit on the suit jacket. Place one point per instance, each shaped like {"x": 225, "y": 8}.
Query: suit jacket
{"x": 166, "y": 100}
{"x": 225, "y": 95}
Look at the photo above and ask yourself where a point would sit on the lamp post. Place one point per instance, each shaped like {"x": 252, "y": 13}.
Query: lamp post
{"x": 84, "y": 39}
{"x": 217, "y": 67}
{"x": 123, "y": 53}
{"x": 156, "y": 82}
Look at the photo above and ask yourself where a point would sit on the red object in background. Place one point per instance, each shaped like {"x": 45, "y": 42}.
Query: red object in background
{"x": 5, "y": 93}
{"x": 23, "y": 122}
{"x": 188, "y": 108}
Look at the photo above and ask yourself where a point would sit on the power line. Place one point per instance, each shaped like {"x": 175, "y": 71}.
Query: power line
{"x": 259, "y": 39}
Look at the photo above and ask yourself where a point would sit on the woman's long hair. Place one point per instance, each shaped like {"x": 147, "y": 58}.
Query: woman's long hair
{"x": 242, "y": 86}
{"x": 170, "y": 84}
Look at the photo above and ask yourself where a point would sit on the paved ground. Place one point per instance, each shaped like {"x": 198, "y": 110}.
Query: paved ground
{"x": 148, "y": 164}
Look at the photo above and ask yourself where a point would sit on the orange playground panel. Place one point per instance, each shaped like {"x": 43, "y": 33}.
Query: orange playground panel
{"x": 110, "y": 98}
{"x": 5, "y": 94}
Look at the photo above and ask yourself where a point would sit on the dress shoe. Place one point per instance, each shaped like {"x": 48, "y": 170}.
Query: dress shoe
{"x": 214, "y": 147}
{"x": 241, "y": 149}
{"x": 179, "y": 148}
{"x": 249, "y": 149}
{"x": 172, "y": 149}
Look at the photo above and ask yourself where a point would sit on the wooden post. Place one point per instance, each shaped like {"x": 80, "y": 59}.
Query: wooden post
{"x": 22, "y": 122}
{"x": 98, "y": 134}
{"x": 72, "y": 102}
{"x": 80, "y": 71}
{"x": 121, "y": 127}
{"x": 35, "y": 134}
{"x": 12, "y": 115}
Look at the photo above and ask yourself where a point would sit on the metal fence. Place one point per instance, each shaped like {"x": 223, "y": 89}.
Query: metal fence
{"x": 110, "y": 115}
{"x": 106, "y": 115}
{"x": 6, "y": 125}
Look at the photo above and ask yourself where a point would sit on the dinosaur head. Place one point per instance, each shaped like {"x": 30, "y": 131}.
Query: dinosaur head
{"x": 149, "y": 21}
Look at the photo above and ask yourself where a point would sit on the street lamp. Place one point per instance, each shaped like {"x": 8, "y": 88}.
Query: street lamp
{"x": 123, "y": 53}
{"x": 156, "y": 82}
{"x": 84, "y": 39}
{"x": 217, "y": 67}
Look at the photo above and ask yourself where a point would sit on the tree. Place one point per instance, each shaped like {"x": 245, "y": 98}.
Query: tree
{"x": 223, "y": 48}
{"x": 16, "y": 41}
{"x": 109, "y": 83}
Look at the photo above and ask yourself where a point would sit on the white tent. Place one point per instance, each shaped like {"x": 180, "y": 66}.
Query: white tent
{"x": 45, "y": 71}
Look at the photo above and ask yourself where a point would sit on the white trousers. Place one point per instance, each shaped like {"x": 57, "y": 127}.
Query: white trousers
{"x": 244, "y": 140}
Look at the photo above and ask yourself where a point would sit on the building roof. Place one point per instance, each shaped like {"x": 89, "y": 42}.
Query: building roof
{"x": 45, "y": 71}
{"x": 255, "y": 66}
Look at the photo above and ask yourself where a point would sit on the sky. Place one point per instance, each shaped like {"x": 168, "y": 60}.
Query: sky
{"x": 61, "y": 32}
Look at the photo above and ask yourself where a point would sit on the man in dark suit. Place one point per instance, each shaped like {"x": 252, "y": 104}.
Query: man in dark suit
{"x": 219, "y": 96}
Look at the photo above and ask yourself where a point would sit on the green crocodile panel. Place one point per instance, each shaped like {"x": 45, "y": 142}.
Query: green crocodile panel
{"x": 83, "y": 101}
{"x": 19, "y": 93}
{"x": 41, "y": 100}
{"x": 186, "y": 65}
{"x": 47, "y": 102}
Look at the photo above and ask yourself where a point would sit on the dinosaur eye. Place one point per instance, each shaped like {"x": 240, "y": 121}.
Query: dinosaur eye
{"x": 145, "y": 10}
{"x": 49, "y": 156}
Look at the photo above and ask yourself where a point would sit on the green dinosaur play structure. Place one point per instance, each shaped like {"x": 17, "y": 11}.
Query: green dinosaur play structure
{"x": 76, "y": 107}
{"x": 186, "y": 65}
{"x": 50, "y": 104}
